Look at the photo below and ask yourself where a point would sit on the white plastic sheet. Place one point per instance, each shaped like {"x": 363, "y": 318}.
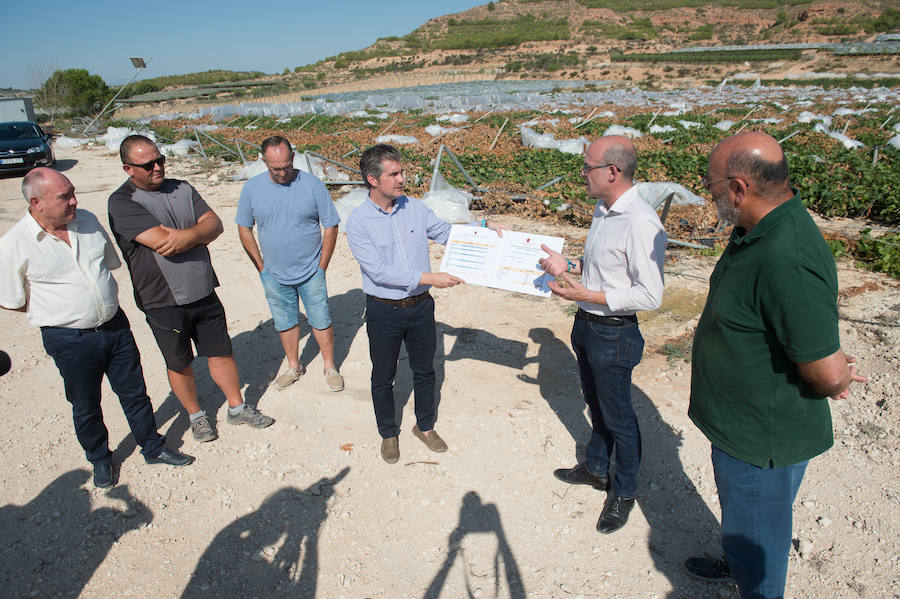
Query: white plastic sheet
{"x": 179, "y": 148}
{"x": 396, "y": 139}
{"x": 533, "y": 139}
{"x": 620, "y": 130}
{"x": 656, "y": 192}
{"x": 447, "y": 202}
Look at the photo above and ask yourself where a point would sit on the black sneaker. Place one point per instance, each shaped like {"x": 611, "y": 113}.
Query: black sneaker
{"x": 103, "y": 478}
{"x": 709, "y": 569}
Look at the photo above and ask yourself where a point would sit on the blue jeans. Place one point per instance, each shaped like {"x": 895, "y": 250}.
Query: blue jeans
{"x": 757, "y": 519}
{"x": 606, "y": 356}
{"x": 83, "y": 356}
{"x": 388, "y": 327}
{"x": 284, "y": 301}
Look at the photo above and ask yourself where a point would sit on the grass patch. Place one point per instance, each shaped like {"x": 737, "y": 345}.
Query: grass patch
{"x": 632, "y": 5}
{"x": 470, "y": 34}
{"x": 709, "y": 56}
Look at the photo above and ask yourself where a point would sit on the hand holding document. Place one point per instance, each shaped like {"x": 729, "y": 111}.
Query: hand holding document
{"x": 478, "y": 256}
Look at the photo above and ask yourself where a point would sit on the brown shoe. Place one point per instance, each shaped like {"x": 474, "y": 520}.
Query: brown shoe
{"x": 390, "y": 450}
{"x": 430, "y": 439}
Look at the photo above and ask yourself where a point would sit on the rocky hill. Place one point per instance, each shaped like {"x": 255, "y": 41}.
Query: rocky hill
{"x": 594, "y": 39}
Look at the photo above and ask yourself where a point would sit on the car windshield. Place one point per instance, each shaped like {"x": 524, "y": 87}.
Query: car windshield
{"x": 18, "y": 131}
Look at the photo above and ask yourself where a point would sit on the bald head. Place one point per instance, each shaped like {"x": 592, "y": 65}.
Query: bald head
{"x": 34, "y": 183}
{"x": 754, "y": 156}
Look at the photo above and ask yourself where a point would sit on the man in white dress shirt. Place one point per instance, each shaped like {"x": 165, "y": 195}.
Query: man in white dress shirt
{"x": 55, "y": 266}
{"x": 622, "y": 272}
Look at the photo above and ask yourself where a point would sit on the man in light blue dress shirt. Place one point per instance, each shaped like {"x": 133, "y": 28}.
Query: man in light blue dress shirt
{"x": 388, "y": 235}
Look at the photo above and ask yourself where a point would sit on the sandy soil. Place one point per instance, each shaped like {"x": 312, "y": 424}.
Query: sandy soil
{"x": 307, "y": 507}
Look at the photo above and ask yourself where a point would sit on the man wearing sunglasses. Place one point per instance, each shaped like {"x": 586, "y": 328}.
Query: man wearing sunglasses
{"x": 163, "y": 227}
{"x": 291, "y": 208}
{"x": 622, "y": 272}
{"x": 55, "y": 264}
{"x": 766, "y": 357}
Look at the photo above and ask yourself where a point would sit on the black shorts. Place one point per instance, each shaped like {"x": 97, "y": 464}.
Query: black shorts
{"x": 202, "y": 322}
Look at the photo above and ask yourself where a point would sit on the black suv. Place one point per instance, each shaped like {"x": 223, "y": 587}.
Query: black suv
{"x": 23, "y": 146}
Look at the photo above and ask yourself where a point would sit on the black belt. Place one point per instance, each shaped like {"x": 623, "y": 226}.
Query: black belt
{"x": 612, "y": 321}
{"x": 406, "y": 302}
{"x": 113, "y": 323}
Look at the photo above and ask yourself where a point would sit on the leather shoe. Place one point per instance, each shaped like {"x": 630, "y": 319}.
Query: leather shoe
{"x": 580, "y": 475}
{"x": 170, "y": 457}
{"x": 615, "y": 514}
{"x": 103, "y": 478}
{"x": 431, "y": 439}
{"x": 390, "y": 450}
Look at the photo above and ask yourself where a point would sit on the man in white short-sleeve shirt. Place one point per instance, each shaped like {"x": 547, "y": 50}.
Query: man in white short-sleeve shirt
{"x": 55, "y": 266}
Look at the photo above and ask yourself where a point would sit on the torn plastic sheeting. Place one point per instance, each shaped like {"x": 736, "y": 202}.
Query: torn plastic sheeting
{"x": 848, "y": 142}
{"x": 533, "y": 139}
{"x": 847, "y": 111}
{"x": 448, "y": 202}
{"x": 70, "y": 142}
{"x": 454, "y": 118}
{"x": 620, "y": 130}
{"x": 397, "y": 139}
{"x": 724, "y": 125}
{"x": 894, "y": 141}
{"x": 690, "y": 124}
{"x": 662, "y": 128}
{"x": 348, "y": 202}
{"x": 179, "y": 148}
{"x": 808, "y": 117}
{"x": 656, "y": 192}
{"x": 435, "y": 130}
{"x": 114, "y": 136}
{"x": 321, "y": 169}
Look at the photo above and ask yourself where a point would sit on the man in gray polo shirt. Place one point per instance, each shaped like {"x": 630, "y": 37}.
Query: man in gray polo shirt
{"x": 163, "y": 227}
{"x": 290, "y": 206}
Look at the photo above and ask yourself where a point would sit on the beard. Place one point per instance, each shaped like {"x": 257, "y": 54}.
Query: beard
{"x": 727, "y": 212}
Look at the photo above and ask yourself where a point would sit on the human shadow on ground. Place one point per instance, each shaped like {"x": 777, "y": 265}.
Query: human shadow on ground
{"x": 557, "y": 369}
{"x": 258, "y": 355}
{"x": 470, "y": 344}
{"x": 52, "y": 546}
{"x": 476, "y": 517}
{"x": 65, "y": 164}
{"x": 347, "y": 318}
{"x": 681, "y": 524}
{"x": 284, "y": 528}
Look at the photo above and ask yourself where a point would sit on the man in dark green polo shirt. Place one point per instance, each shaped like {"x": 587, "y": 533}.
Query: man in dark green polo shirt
{"x": 766, "y": 357}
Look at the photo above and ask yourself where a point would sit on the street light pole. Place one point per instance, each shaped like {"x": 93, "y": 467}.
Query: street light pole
{"x": 139, "y": 64}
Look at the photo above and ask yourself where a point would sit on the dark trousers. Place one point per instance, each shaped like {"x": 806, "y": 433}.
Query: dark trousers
{"x": 388, "y": 326}
{"x": 757, "y": 521}
{"x": 83, "y": 356}
{"x": 606, "y": 356}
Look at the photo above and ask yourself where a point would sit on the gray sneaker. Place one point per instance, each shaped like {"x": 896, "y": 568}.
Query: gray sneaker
{"x": 203, "y": 430}
{"x": 252, "y": 416}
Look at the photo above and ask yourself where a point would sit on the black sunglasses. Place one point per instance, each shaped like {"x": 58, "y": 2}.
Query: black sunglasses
{"x": 148, "y": 166}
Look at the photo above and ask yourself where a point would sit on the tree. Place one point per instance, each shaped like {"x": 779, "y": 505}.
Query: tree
{"x": 74, "y": 90}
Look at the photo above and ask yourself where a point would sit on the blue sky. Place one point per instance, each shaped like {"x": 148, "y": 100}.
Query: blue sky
{"x": 193, "y": 35}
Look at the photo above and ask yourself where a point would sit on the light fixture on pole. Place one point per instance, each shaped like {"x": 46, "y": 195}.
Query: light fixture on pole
{"x": 139, "y": 64}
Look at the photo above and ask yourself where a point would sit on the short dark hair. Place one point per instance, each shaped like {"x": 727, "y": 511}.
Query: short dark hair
{"x": 131, "y": 141}
{"x": 275, "y": 140}
{"x": 764, "y": 173}
{"x": 371, "y": 161}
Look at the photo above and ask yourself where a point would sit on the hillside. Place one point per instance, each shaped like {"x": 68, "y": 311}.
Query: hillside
{"x": 586, "y": 39}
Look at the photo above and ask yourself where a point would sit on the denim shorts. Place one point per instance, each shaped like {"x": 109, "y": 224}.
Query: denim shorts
{"x": 284, "y": 304}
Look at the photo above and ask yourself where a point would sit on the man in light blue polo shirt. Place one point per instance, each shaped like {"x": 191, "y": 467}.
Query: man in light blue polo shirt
{"x": 289, "y": 207}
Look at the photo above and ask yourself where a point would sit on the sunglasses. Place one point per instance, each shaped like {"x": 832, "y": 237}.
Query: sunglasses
{"x": 148, "y": 166}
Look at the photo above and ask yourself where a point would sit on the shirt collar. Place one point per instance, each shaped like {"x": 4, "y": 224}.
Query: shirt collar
{"x": 398, "y": 204}
{"x": 623, "y": 204}
{"x": 38, "y": 231}
{"x": 769, "y": 221}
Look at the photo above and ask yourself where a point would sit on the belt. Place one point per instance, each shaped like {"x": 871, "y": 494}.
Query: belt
{"x": 612, "y": 321}
{"x": 406, "y": 302}
{"x": 112, "y": 323}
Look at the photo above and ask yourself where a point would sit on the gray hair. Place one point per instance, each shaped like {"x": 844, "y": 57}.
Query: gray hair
{"x": 275, "y": 140}
{"x": 623, "y": 156}
{"x": 764, "y": 173}
{"x": 371, "y": 161}
{"x": 32, "y": 184}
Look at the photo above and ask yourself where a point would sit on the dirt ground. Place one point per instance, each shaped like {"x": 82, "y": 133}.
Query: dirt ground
{"x": 307, "y": 507}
